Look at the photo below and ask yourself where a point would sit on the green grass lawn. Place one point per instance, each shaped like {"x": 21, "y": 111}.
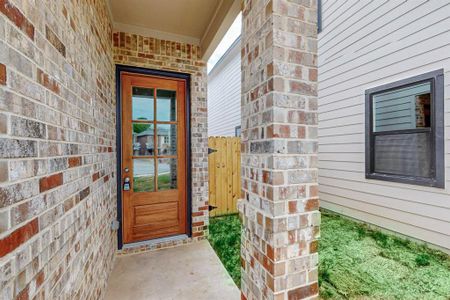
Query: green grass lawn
{"x": 356, "y": 262}
{"x": 225, "y": 238}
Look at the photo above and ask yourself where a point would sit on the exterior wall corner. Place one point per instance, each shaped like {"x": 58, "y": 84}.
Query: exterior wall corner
{"x": 279, "y": 119}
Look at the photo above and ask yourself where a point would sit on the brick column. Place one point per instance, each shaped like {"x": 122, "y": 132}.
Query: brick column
{"x": 279, "y": 150}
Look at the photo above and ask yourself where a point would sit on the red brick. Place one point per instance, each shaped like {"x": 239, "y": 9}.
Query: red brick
{"x": 24, "y": 294}
{"x": 74, "y": 161}
{"x": 266, "y": 176}
{"x": 14, "y": 14}
{"x": 18, "y": 237}
{"x": 267, "y": 264}
{"x": 95, "y": 176}
{"x": 278, "y": 131}
{"x": 197, "y": 234}
{"x": 242, "y": 295}
{"x": 46, "y": 81}
{"x": 298, "y": 87}
{"x": 270, "y": 252}
{"x": 313, "y": 191}
{"x": 303, "y": 221}
{"x": 301, "y": 132}
{"x": 40, "y": 278}
{"x": 313, "y": 246}
{"x": 270, "y": 282}
{"x": 304, "y": 292}
{"x": 313, "y": 74}
{"x": 50, "y": 182}
{"x": 292, "y": 207}
{"x": 312, "y": 204}
{"x": 197, "y": 214}
{"x": 259, "y": 218}
{"x": 64, "y": 11}
{"x": 269, "y": 224}
{"x": 2, "y": 74}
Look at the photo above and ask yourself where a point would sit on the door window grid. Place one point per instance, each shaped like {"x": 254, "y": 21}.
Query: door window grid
{"x": 163, "y": 174}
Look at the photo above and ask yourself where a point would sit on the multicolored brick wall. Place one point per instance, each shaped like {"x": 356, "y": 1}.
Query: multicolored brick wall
{"x": 279, "y": 150}
{"x": 57, "y": 149}
{"x": 147, "y": 52}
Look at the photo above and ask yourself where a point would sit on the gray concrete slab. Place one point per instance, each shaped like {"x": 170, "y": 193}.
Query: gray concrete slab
{"x": 185, "y": 272}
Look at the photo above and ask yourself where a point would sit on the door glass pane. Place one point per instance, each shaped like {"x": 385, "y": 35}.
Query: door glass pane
{"x": 143, "y": 175}
{"x": 403, "y": 108}
{"x": 143, "y": 142}
{"x": 167, "y": 174}
{"x": 166, "y": 105}
{"x": 167, "y": 139}
{"x": 143, "y": 104}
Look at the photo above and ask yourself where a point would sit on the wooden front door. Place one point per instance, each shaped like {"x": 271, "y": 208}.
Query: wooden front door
{"x": 153, "y": 157}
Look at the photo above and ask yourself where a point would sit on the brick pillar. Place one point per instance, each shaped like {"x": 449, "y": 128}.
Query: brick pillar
{"x": 279, "y": 150}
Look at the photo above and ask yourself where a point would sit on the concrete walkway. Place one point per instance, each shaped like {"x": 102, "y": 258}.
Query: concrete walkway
{"x": 186, "y": 272}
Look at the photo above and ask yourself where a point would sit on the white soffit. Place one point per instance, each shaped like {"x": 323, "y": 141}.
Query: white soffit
{"x": 197, "y": 22}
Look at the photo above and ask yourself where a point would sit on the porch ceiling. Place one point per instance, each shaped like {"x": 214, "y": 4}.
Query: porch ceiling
{"x": 199, "y": 22}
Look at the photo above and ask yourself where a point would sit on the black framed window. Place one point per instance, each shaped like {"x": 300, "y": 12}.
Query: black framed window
{"x": 405, "y": 131}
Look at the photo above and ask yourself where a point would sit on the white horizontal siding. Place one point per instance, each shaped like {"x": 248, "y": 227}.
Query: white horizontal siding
{"x": 224, "y": 94}
{"x": 365, "y": 44}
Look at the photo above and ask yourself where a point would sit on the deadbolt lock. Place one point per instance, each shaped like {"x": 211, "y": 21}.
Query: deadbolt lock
{"x": 126, "y": 184}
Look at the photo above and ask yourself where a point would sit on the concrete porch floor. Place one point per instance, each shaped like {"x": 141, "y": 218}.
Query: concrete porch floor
{"x": 185, "y": 272}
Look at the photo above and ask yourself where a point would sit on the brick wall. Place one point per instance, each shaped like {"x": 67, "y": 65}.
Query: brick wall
{"x": 147, "y": 52}
{"x": 279, "y": 150}
{"x": 57, "y": 154}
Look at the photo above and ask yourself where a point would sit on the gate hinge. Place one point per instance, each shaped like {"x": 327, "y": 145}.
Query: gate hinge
{"x": 211, "y": 150}
{"x": 210, "y": 207}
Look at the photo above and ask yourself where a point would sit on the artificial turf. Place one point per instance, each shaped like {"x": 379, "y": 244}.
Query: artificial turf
{"x": 355, "y": 261}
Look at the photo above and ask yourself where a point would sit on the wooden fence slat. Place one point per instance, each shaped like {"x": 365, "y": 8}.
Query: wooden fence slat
{"x": 224, "y": 175}
{"x": 236, "y": 171}
{"x": 212, "y": 175}
{"x": 221, "y": 178}
{"x": 229, "y": 171}
{"x": 218, "y": 177}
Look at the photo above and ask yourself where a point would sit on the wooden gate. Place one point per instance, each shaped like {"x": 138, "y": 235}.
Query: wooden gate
{"x": 224, "y": 174}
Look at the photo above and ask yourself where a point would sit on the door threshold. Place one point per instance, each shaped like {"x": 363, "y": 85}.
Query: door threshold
{"x": 173, "y": 238}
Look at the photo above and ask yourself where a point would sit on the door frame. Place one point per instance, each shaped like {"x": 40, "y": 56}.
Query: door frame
{"x": 163, "y": 74}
